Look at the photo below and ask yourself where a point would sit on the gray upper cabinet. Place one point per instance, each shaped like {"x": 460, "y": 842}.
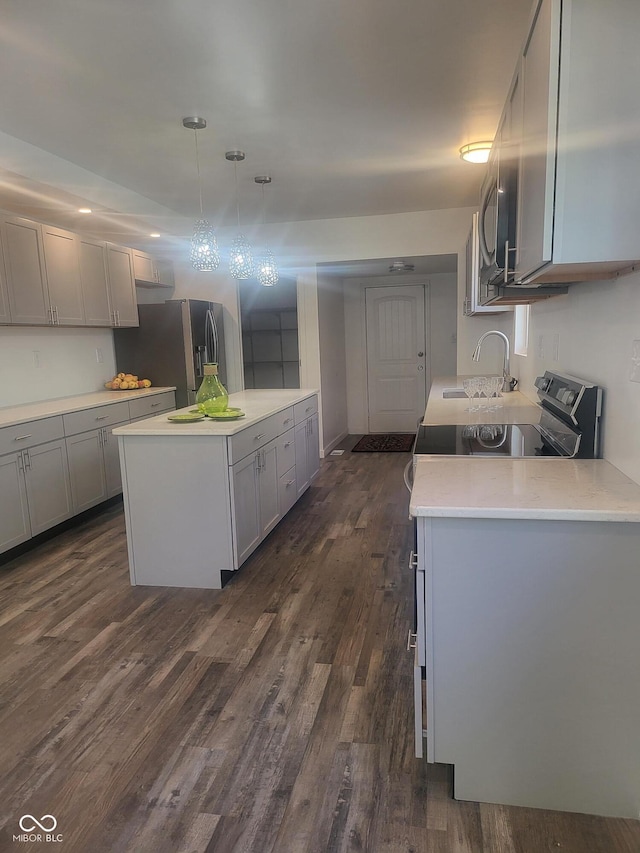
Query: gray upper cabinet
{"x": 95, "y": 282}
{"x": 122, "y": 288}
{"x": 62, "y": 264}
{"x": 24, "y": 266}
{"x": 578, "y": 206}
{"x": 150, "y": 271}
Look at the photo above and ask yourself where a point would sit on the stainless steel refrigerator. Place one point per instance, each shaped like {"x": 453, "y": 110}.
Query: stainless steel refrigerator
{"x": 172, "y": 343}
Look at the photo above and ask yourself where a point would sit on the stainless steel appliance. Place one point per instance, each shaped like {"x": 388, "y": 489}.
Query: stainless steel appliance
{"x": 172, "y": 343}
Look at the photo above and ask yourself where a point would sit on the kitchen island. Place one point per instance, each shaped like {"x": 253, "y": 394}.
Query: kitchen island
{"x": 200, "y": 497}
{"x": 528, "y": 578}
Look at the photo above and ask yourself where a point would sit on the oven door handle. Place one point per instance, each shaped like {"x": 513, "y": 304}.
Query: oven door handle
{"x": 408, "y": 475}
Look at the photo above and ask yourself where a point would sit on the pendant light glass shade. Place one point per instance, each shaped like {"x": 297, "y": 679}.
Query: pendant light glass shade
{"x": 267, "y": 270}
{"x": 241, "y": 258}
{"x": 205, "y": 256}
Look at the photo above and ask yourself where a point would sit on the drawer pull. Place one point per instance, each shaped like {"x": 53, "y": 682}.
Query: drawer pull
{"x": 102, "y": 417}
{"x": 289, "y": 483}
{"x": 153, "y": 405}
{"x": 308, "y": 409}
{"x": 22, "y": 437}
{"x": 260, "y": 435}
{"x": 286, "y": 421}
{"x": 288, "y": 444}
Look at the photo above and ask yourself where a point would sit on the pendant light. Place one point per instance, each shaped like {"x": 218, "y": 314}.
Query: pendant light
{"x": 204, "y": 246}
{"x": 267, "y": 271}
{"x": 240, "y": 257}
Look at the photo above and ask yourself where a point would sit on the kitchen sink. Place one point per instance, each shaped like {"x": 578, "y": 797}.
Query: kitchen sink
{"x": 449, "y": 393}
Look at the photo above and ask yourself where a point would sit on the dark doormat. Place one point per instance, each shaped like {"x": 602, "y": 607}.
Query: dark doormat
{"x": 395, "y": 442}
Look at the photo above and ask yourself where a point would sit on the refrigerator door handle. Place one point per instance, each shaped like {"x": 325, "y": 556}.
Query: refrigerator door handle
{"x": 211, "y": 337}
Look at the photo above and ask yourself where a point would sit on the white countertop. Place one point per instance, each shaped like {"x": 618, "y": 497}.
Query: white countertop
{"x": 13, "y": 415}
{"x": 256, "y": 404}
{"x": 549, "y": 488}
{"x": 516, "y": 408}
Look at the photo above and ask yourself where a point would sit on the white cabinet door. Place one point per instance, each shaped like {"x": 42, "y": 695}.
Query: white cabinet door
{"x": 14, "y": 518}
{"x": 143, "y": 266}
{"x": 95, "y": 284}
{"x": 48, "y": 489}
{"x": 112, "y": 461}
{"x": 24, "y": 267}
{"x": 86, "y": 469}
{"x": 313, "y": 448}
{"x": 62, "y": 264}
{"x": 246, "y": 506}
{"x": 302, "y": 472}
{"x": 539, "y": 90}
{"x": 122, "y": 287}
{"x": 268, "y": 487}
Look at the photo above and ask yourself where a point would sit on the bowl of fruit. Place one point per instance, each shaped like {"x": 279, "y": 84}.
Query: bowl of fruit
{"x": 126, "y": 382}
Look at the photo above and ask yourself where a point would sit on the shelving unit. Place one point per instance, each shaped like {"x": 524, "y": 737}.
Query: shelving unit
{"x": 270, "y": 345}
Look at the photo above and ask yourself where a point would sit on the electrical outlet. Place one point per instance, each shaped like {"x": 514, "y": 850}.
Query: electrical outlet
{"x": 36, "y": 358}
{"x": 540, "y": 346}
{"x": 99, "y": 356}
{"x": 634, "y": 375}
{"x": 556, "y": 346}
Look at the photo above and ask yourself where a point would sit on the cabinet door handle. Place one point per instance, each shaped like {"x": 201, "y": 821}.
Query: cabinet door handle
{"x": 22, "y": 437}
{"x": 20, "y": 462}
{"x": 413, "y": 561}
{"x": 50, "y": 312}
{"x": 412, "y": 640}
{"x": 55, "y": 313}
{"x": 105, "y": 437}
{"x": 289, "y": 483}
{"x": 27, "y": 460}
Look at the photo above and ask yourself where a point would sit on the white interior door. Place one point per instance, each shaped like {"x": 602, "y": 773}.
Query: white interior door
{"x": 396, "y": 357}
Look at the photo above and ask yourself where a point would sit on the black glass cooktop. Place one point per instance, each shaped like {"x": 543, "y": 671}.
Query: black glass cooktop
{"x": 508, "y": 440}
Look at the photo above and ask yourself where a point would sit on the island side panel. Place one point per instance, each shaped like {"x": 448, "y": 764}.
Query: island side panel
{"x": 177, "y": 510}
{"x": 534, "y": 634}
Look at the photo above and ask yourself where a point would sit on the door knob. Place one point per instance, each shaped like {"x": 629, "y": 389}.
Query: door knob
{"x": 420, "y": 354}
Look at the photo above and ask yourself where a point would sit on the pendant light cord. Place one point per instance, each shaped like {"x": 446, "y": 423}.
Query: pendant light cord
{"x": 195, "y": 133}
{"x": 235, "y": 172}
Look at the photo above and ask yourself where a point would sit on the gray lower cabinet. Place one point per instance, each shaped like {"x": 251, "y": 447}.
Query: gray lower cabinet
{"x": 35, "y": 492}
{"x": 94, "y": 467}
{"x": 307, "y": 452}
{"x": 255, "y": 491}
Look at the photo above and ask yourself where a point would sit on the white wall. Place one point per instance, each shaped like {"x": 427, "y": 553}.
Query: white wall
{"x": 67, "y": 359}
{"x": 596, "y": 324}
{"x": 333, "y": 375}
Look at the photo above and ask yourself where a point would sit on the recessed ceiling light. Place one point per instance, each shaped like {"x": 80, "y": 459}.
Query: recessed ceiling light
{"x": 154, "y": 235}
{"x": 476, "y": 152}
{"x": 84, "y": 210}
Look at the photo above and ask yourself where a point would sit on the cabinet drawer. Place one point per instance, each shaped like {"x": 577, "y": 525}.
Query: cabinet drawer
{"x": 243, "y": 443}
{"x": 287, "y": 491}
{"x": 99, "y": 416}
{"x": 13, "y": 438}
{"x": 153, "y": 404}
{"x": 286, "y": 451}
{"x": 305, "y": 408}
{"x": 285, "y": 420}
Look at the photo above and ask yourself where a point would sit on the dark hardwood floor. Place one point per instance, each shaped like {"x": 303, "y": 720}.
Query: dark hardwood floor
{"x": 274, "y": 715}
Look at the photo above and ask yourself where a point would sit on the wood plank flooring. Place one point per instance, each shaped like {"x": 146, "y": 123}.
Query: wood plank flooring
{"x": 273, "y": 716}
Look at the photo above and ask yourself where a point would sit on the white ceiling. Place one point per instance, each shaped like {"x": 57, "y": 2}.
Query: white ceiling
{"x": 354, "y": 107}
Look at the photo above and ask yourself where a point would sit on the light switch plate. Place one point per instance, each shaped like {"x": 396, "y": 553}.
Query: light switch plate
{"x": 634, "y": 375}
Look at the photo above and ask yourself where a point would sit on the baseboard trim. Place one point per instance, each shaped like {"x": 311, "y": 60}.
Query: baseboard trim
{"x": 327, "y": 450}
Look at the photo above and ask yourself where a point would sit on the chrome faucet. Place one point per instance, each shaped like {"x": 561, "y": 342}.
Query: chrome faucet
{"x": 509, "y": 382}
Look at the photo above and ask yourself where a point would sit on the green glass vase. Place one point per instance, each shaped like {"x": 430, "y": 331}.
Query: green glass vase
{"x": 212, "y": 396}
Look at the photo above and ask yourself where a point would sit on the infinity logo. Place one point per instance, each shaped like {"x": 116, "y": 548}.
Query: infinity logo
{"x": 41, "y": 824}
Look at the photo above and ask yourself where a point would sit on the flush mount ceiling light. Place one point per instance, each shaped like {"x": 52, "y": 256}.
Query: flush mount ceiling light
{"x": 476, "y": 152}
{"x": 85, "y": 210}
{"x": 267, "y": 273}
{"x": 241, "y": 257}
{"x": 204, "y": 247}
{"x": 401, "y": 266}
